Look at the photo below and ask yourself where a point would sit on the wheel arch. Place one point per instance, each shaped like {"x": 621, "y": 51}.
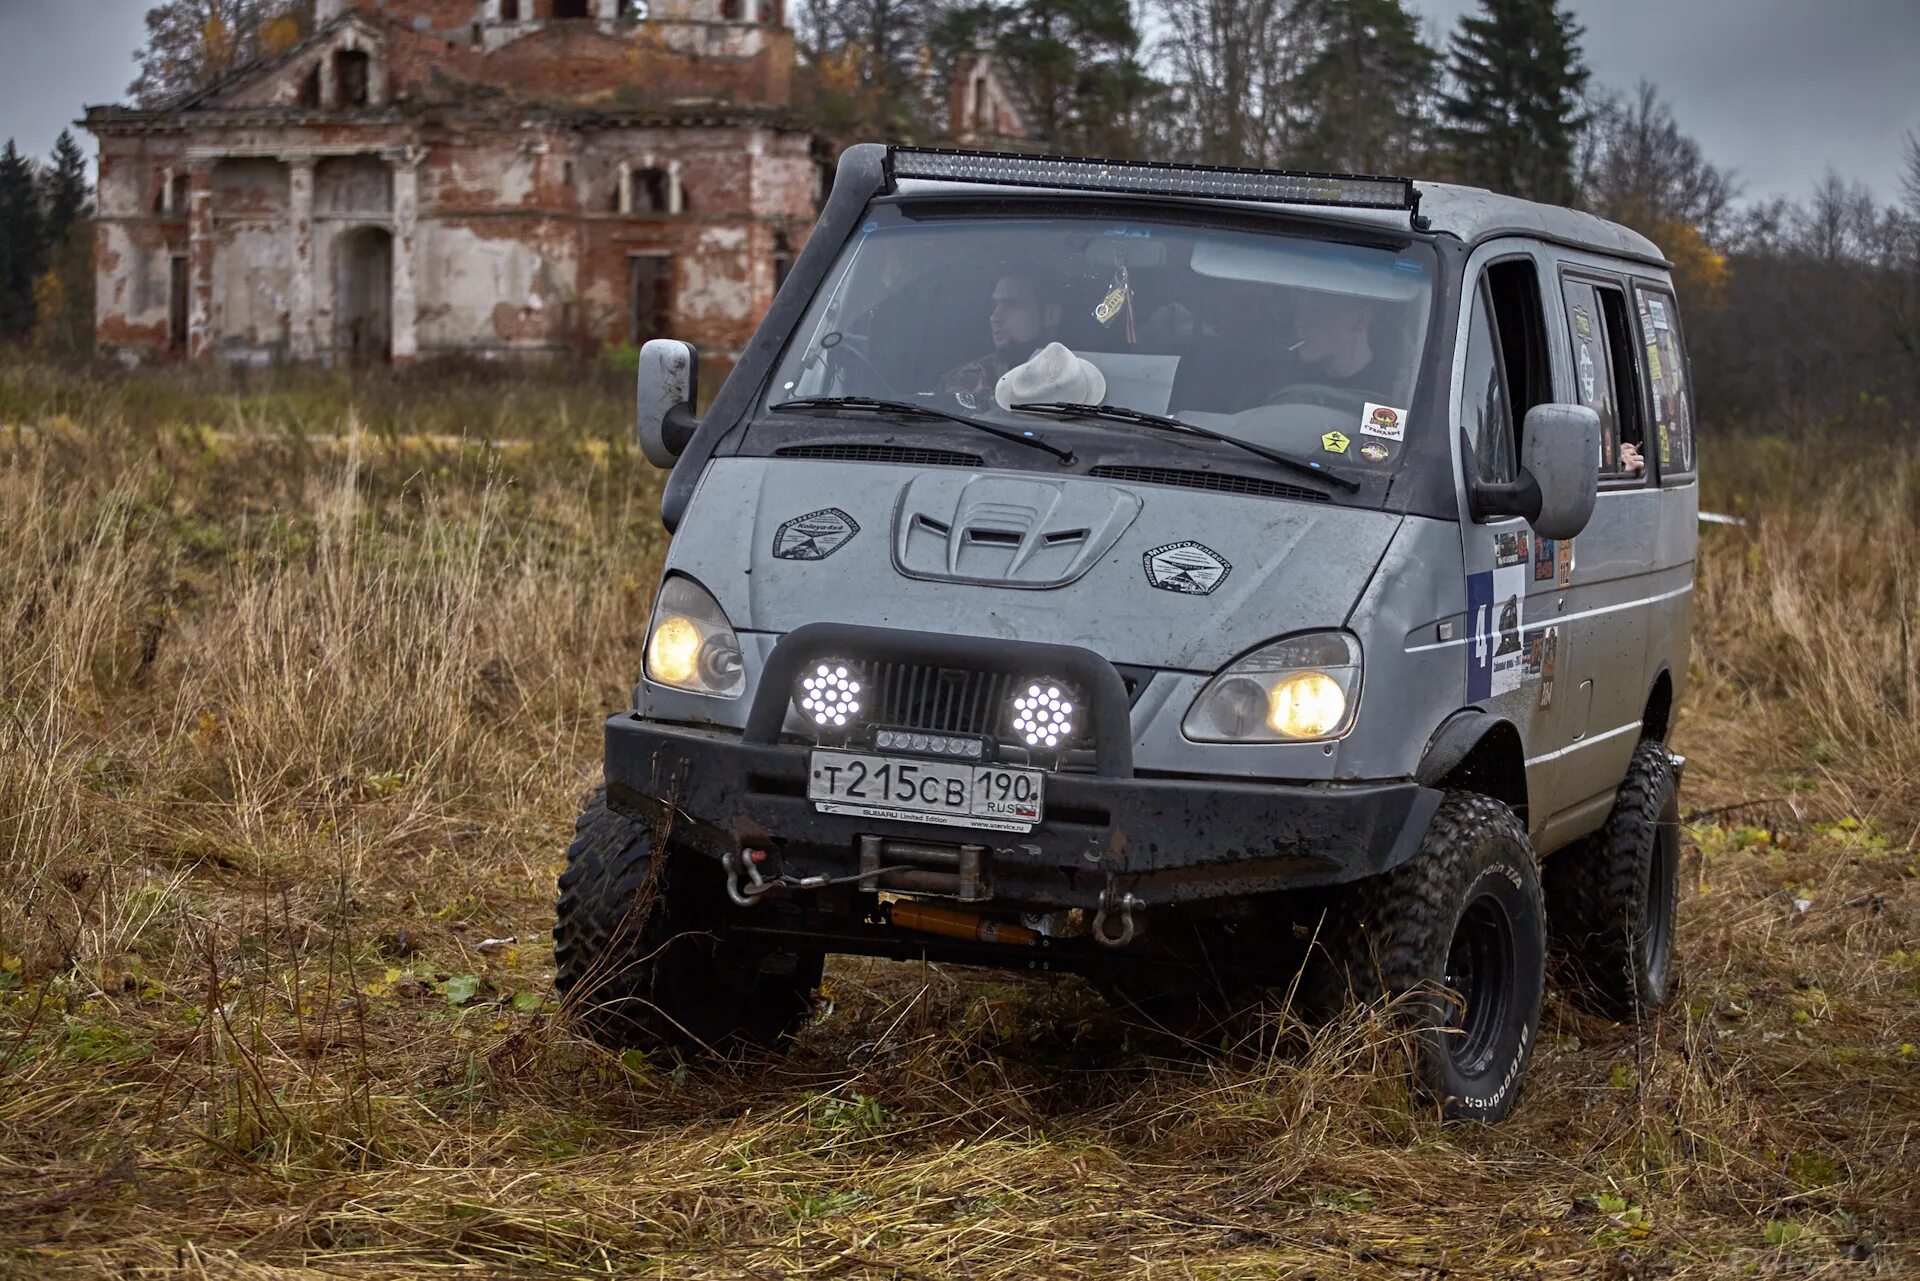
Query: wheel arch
{"x": 1476, "y": 751}
{"x": 1657, "y": 720}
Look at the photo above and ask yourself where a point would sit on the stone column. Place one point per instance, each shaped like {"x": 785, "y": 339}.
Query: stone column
{"x": 200, "y": 259}
{"x": 300, "y": 337}
{"x": 406, "y": 220}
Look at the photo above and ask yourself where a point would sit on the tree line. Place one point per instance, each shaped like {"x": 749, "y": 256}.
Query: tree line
{"x": 46, "y": 249}
{"x": 1809, "y": 305}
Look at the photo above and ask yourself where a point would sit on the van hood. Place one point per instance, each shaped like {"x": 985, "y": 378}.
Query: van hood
{"x": 1145, "y": 574}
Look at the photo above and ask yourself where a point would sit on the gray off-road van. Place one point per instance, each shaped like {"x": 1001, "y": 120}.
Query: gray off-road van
{"x": 1191, "y": 578}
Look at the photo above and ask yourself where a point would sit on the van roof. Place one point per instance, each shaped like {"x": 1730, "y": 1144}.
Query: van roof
{"x": 1468, "y": 213}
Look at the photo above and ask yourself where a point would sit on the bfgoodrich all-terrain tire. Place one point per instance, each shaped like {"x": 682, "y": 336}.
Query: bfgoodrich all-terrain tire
{"x": 644, "y": 955}
{"x": 1458, "y": 932}
{"x": 1611, "y": 898}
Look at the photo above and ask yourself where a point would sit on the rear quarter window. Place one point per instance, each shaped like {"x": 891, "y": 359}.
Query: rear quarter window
{"x": 1666, "y": 368}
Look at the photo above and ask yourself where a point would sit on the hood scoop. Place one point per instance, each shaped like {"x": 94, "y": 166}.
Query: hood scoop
{"x": 1007, "y": 531}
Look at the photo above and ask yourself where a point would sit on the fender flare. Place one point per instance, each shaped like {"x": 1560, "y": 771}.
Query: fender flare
{"x": 1450, "y": 744}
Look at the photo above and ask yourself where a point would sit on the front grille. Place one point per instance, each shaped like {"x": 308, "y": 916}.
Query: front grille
{"x": 1219, "y": 482}
{"x": 939, "y": 700}
{"x": 912, "y": 455}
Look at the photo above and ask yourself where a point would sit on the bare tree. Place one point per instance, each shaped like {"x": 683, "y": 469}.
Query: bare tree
{"x": 1230, "y": 62}
{"x": 193, "y": 43}
{"x": 1636, "y": 166}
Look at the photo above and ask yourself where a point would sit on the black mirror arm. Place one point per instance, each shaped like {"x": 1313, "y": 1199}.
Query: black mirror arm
{"x": 1519, "y": 497}
{"x": 678, "y": 427}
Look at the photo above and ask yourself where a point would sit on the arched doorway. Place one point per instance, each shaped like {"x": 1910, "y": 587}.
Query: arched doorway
{"x": 363, "y": 293}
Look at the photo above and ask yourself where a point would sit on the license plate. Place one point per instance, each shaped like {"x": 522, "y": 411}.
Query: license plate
{"x": 999, "y": 798}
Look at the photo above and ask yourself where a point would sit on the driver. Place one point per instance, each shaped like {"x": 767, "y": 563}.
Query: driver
{"x": 1025, "y": 313}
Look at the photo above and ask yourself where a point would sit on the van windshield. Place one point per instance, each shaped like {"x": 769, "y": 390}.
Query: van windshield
{"x": 1310, "y": 346}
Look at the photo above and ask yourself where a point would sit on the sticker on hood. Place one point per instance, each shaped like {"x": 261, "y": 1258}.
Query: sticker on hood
{"x": 815, "y": 536}
{"x": 1188, "y": 568}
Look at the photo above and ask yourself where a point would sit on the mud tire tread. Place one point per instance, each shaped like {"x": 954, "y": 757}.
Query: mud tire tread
{"x": 1597, "y": 895}
{"x": 1385, "y": 936}
{"x": 641, "y": 953}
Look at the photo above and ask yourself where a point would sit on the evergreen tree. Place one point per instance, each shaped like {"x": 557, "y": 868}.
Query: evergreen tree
{"x": 67, "y": 193}
{"x": 63, "y": 294}
{"x": 22, "y": 241}
{"x": 1514, "y": 115}
{"x": 1367, "y": 95}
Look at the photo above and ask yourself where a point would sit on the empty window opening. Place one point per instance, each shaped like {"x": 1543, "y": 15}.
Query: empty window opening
{"x": 649, "y": 296}
{"x": 1626, "y": 389}
{"x": 782, "y": 259}
{"x": 177, "y": 303}
{"x": 731, "y": 10}
{"x": 179, "y": 194}
{"x": 649, "y": 190}
{"x": 310, "y": 88}
{"x": 353, "y": 73}
{"x": 509, "y": 10}
{"x": 572, "y": 9}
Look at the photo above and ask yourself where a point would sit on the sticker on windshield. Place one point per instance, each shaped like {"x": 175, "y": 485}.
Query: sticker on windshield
{"x": 1375, "y": 452}
{"x": 815, "y": 536}
{"x": 1188, "y": 568}
{"x": 1383, "y": 421}
{"x": 1335, "y": 442}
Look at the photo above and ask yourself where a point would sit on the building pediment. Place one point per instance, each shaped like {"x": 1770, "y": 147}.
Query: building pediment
{"x": 341, "y": 66}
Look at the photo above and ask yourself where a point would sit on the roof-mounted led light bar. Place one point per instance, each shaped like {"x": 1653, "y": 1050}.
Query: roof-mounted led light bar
{"x": 1351, "y": 191}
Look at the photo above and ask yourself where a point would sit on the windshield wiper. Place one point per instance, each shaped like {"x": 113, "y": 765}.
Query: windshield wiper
{"x": 878, "y": 405}
{"x": 1120, "y": 413}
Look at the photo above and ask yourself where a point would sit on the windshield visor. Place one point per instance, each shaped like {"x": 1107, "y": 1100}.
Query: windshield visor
{"x": 1305, "y": 345}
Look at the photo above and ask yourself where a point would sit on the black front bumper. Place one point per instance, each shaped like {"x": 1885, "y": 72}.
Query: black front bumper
{"x": 1165, "y": 840}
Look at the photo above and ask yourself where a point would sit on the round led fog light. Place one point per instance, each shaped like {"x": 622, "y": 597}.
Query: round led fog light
{"x": 830, "y": 695}
{"x": 1043, "y": 716}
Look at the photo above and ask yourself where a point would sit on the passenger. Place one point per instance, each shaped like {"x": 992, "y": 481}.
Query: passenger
{"x": 1024, "y": 317}
{"x": 1334, "y": 343}
{"x": 1630, "y": 460}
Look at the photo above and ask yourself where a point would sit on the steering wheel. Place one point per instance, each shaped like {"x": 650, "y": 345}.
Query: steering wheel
{"x": 847, "y": 347}
{"x": 1321, "y": 394}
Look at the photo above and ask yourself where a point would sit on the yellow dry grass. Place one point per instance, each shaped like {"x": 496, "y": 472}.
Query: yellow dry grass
{"x": 290, "y": 729}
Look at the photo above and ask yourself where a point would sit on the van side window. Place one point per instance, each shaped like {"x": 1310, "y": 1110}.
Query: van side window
{"x": 1485, "y": 410}
{"x": 1626, "y": 377}
{"x": 1666, "y": 379}
{"x": 1593, "y": 367}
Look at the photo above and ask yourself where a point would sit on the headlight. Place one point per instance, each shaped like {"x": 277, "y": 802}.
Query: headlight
{"x": 690, "y": 644}
{"x": 1303, "y": 687}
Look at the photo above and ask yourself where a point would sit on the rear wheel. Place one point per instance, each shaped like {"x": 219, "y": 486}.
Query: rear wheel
{"x": 1459, "y": 932}
{"x": 643, "y": 952}
{"x": 1612, "y": 898}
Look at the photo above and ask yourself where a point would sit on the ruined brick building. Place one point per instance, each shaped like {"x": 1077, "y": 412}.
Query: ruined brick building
{"x": 488, "y": 177}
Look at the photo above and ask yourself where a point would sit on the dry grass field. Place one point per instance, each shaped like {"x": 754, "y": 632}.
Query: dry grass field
{"x": 295, "y": 714}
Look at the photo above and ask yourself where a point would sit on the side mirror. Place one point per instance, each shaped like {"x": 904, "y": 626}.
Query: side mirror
{"x": 1559, "y": 473}
{"x": 665, "y": 392}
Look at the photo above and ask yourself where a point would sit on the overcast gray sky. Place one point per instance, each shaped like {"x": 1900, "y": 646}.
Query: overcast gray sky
{"x": 1776, "y": 89}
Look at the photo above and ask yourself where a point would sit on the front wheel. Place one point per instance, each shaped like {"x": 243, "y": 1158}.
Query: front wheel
{"x": 645, "y": 959}
{"x": 1458, "y": 934}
